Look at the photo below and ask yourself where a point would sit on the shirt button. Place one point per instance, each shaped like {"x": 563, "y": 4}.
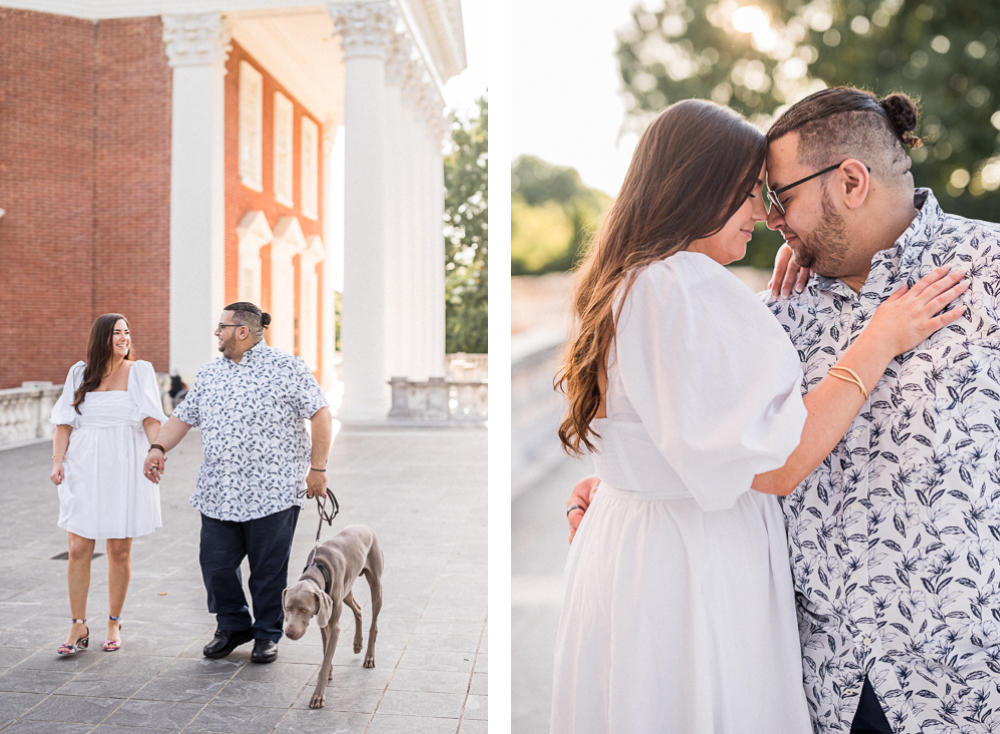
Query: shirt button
{"x": 867, "y": 641}
{"x": 856, "y": 432}
{"x": 855, "y": 507}
{"x": 849, "y": 692}
{"x": 854, "y": 577}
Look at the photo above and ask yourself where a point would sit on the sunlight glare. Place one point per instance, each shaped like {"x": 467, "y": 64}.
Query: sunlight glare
{"x": 750, "y": 19}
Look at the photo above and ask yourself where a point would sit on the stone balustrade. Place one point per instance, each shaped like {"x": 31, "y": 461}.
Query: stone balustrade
{"x": 464, "y": 367}
{"x": 439, "y": 400}
{"x": 25, "y": 411}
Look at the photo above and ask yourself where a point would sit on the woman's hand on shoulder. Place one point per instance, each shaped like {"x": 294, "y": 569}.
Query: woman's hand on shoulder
{"x": 910, "y": 315}
{"x": 787, "y": 276}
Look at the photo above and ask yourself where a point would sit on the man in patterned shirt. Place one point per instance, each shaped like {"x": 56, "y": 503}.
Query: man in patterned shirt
{"x": 894, "y": 539}
{"x": 251, "y": 405}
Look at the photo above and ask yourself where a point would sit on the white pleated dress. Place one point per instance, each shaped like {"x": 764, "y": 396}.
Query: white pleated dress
{"x": 104, "y": 493}
{"x": 678, "y": 613}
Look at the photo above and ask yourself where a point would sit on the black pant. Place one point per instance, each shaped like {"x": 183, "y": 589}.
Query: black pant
{"x": 870, "y": 718}
{"x": 267, "y": 542}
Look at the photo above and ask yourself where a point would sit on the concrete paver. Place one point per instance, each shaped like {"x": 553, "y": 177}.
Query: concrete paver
{"x": 423, "y": 490}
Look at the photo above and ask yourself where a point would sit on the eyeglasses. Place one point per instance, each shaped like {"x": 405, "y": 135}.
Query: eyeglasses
{"x": 772, "y": 194}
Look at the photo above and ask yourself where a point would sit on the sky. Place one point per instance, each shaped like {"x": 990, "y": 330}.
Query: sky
{"x": 461, "y": 91}
{"x": 566, "y": 108}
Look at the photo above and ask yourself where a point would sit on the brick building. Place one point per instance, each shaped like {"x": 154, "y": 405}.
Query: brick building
{"x": 161, "y": 164}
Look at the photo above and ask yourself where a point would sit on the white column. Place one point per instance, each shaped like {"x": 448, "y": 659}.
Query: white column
{"x": 430, "y": 226}
{"x": 197, "y": 47}
{"x": 420, "y": 223}
{"x": 410, "y": 226}
{"x": 395, "y": 74}
{"x": 439, "y": 129}
{"x": 288, "y": 242}
{"x": 364, "y": 29}
{"x": 331, "y": 220}
{"x": 313, "y": 255}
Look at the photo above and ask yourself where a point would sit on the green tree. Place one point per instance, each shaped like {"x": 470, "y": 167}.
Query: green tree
{"x": 552, "y": 216}
{"x": 466, "y": 233}
{"x": 760, "y": 58}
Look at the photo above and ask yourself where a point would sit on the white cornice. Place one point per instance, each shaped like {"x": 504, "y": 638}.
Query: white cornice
{"x": 101, "y": 9}
{"x": 434, "y": 25}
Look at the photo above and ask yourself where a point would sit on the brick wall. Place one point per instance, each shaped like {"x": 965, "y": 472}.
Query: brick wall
{"x": 240, "y": 199}
{"x": 132, "y": 191}
{"x": 85, "y": 180}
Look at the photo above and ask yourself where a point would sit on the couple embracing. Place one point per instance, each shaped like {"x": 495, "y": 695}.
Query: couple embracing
{"x": 863, "y": 599}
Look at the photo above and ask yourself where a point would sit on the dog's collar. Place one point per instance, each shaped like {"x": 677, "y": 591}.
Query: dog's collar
{"x": 326, "y": 575}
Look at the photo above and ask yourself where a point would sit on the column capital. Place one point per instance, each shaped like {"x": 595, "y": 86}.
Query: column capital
{"x": 430, "y": 106}
{"x": 365, "y": 27}
{"x": 399, "y": 58}
{"x": 196, "y": 40}
{"x": 413, "y": 80}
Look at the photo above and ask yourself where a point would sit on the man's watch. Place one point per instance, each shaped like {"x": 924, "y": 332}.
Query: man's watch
{"x": 157, "y": 446}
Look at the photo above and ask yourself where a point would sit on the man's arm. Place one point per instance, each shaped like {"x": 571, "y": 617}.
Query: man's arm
{"x": 322, "y": 439}
{"x": 169, "y": 436}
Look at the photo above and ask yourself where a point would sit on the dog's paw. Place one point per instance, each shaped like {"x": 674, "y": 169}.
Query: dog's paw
{"x": 369, "y": 661}
{"x": 317, "y": 701}
{"x": 357, "y": 646}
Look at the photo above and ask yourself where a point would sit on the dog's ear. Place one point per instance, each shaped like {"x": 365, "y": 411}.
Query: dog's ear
{"x": 325, "y": 609}
{"x": 284, "y": 594}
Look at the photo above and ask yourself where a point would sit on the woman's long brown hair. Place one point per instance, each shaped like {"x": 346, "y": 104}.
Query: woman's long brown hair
{"x": 99, "y": 352}
{"x": 693, "y": 168}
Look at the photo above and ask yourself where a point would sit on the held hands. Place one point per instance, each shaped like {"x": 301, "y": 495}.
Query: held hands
{"x": 583, "y": 495}
{"x": 787, "y": 275}
{"x": 910, "y": 315}
{"x": 315, "y": 484}
{"x": 154, "y": 466}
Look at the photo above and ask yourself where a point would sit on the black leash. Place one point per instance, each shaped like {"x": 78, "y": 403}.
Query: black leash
{"x": 327, "y": 517}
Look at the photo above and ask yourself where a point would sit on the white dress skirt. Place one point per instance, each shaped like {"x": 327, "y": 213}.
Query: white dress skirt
{"x": 678, "y": 615}
{"x": 104, "y": 493}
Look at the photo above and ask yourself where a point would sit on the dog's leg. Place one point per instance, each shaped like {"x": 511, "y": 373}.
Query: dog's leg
{"x": 325, "y": 632}
{"x": 373, "y": 573}
{"x": 326, "y": 669}
{"x": 356, "y": 608}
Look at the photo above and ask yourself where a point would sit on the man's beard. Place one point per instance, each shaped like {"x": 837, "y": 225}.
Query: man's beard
{"x": 228, "y": 346}
{"x": 827, "y": 247}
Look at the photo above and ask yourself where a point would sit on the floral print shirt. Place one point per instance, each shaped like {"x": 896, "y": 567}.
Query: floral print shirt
{"x": 252, "y": 420}
{"x": 894, "y": 538}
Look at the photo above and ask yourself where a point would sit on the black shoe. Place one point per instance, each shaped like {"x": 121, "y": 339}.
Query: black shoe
{"x": 225, "y": 641}
{"x": 264, "y": 651}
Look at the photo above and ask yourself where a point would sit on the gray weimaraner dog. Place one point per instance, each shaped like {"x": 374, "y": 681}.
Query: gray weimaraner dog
{"x": 323, "y": 588}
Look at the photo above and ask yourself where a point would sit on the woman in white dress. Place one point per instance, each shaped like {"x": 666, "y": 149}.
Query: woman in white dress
{"x": 106, "y": 418}
{"x": 678, "y": 613}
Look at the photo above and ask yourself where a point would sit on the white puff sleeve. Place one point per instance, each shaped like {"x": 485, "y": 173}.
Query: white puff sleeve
{"x": 63, "y": 412}
{"x": 146, "y": 393}
{"x": 711, "y": 374}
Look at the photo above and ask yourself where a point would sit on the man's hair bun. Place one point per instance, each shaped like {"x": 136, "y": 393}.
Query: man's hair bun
{"x": 265, "y": 319}
{"x": 902, "y": 113}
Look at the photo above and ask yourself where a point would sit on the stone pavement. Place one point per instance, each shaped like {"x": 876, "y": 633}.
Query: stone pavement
{"x": 538, "y": 555}
{"x": 422, "y": 490}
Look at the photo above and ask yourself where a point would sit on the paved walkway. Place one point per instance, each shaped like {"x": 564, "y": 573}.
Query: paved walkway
{"x": 538, "y": 555}
{"x": 424, "y": 493}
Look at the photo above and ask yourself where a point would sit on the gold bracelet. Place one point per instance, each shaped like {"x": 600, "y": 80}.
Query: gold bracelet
{"x": 853, "y": 379}
{"x": 55, "y": 455}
